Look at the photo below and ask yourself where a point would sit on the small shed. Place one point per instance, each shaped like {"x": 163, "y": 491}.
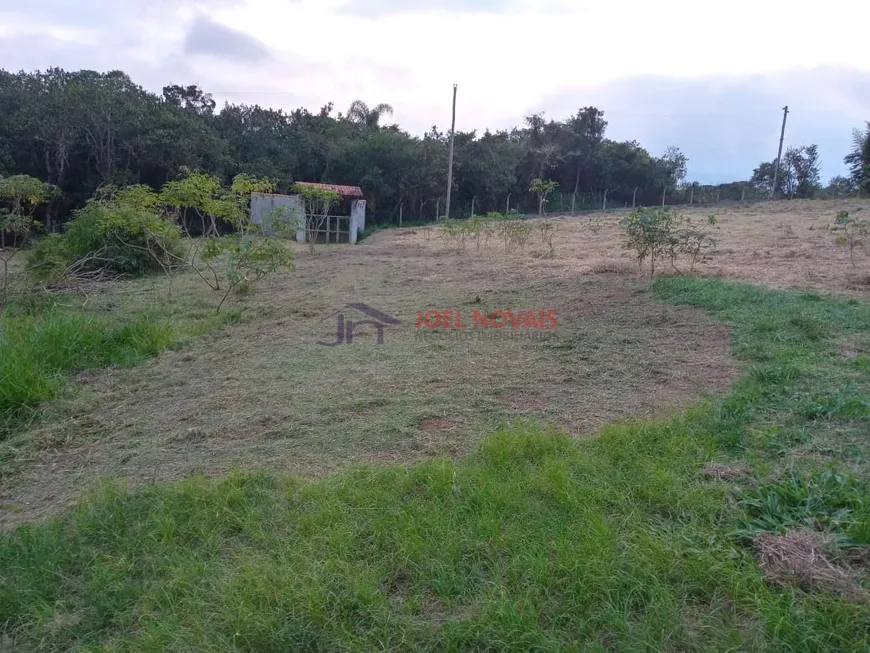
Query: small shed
{"x": 346, "y": 226}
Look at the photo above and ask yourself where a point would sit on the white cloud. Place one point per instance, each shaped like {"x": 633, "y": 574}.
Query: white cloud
{"x": 510, "y": 57}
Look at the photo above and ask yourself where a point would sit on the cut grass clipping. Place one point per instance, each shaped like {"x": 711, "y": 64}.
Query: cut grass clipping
{"x": 38, "y": 350}
{"x": 535, "y": 541}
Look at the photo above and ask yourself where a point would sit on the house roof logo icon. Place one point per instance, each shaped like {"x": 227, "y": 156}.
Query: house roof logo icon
{"x": 345, "y": 328}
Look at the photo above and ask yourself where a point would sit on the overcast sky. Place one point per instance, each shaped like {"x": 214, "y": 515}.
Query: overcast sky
{"x": 709, "y": 77}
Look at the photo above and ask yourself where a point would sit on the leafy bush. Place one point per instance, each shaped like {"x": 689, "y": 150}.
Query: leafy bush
{"x": 512, "y": 228}
{"x": 20, "y": 195}
{"x": 238, "y": 262}
{"x": 454, "y": 233}
{"x": 201, "y": 195}
{"x": 111, "y": 236}
{"x": 655, "y": 233}
{"x": 515, "y": 233}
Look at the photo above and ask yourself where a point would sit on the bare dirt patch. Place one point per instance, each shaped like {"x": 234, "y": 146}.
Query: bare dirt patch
{"x": 723, "y": 472}
{"x": 800, "y": 558}
{"x": 525, "y": 403}
{"x": 435, "y": 425}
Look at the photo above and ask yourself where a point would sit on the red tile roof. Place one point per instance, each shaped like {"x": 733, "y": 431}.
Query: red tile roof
{"x": 344, "y": 191}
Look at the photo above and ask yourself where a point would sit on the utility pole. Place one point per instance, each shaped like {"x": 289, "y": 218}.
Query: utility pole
{"x": 450, "y": 160}
{"x": 779, "y": 155}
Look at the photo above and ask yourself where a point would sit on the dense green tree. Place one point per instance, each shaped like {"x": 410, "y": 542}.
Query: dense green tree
{"x": 585, "y": 135}
{"x": 83, "y": 130}
{"x": 858, "y": 159}
{"x": 798, "y": 176}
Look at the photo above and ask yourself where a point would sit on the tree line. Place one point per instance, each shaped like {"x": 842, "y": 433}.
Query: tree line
{"x": 80, "y": 131}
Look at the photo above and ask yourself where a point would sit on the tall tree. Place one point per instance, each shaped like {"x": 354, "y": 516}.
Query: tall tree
{"x": 805, "y": 168}
{"x": 858, "y": 158}
{"x": 586, "y": 130}
{"x": 360, "y": 113}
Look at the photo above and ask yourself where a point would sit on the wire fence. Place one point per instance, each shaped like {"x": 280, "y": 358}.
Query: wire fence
{"x": 561, "y": 203}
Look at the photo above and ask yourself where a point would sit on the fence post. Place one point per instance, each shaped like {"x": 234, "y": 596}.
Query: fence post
{"x": 507, "y": 208}
{"x": 634, "y": 197}
{"x": 401, "y": 212}
{"x": 664, "y": 192}
{"x": 718, "y": 190}
{"x": 604, "y": 206}
{"x": 438, "y": 210}
{"x": 692, "y": 195}
{"x": 472, "y": 206}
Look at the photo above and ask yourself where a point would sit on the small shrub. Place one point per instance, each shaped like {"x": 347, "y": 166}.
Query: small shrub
{"x": 234, "y": 262}
{"x": 664, "y": 234}
{"x": 454, "y": 234}
{"x": 283, "y": 222}
{"x": 20, "y": 195}
{"x": 543, "y": 189}
{"x": 49, "y": 257}
{"x": 516, "y": 233}
{"x": 649, "y": 233}
{"x": 851, "y": 232}
{"x": 595, "y": 225}
{"x": 511, "y": 228}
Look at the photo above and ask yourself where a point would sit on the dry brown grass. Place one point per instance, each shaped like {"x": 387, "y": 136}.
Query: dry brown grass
{"x": 800, "y": 558}
{"x": 778, "y": 244}
{"x": 263, "y": 394}
{"x": 723, "y": 472}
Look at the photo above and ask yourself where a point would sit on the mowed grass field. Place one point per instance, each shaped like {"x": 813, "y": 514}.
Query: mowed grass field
{"x": 679, "y": 465}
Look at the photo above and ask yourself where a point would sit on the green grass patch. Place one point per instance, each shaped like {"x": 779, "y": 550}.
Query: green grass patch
{"x": 41, "y": 345}
{"x": 533, "y": 542}
{"x": 37, "y": 350}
